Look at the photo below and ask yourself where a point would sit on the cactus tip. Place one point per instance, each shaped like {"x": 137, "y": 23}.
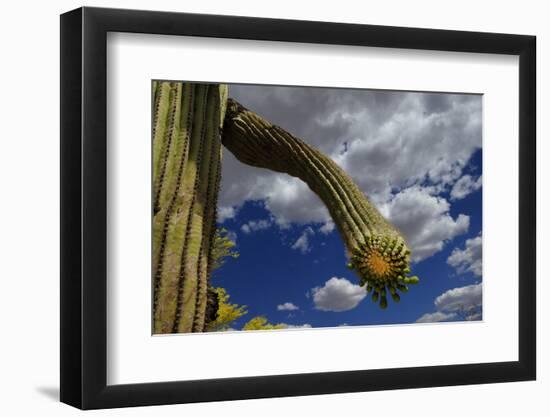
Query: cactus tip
{"x": 411, "y": 280}
{"x": 383, "y": 263}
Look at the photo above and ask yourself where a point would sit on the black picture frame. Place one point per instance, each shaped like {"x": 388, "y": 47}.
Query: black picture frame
{"x": 84, "y": 207}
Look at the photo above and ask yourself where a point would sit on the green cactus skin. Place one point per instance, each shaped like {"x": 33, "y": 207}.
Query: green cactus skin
{"x": 187, "y": 155}
{"x": 377, "y": 251}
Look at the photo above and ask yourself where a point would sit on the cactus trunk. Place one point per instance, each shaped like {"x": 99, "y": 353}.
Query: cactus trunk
{"x": 186, "y": 175}
{"x": 378, "y": 252}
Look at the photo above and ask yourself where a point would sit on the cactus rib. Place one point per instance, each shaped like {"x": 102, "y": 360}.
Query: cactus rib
{"x": 187, "y": 150}
{"x": 207, "y": 195}
{"x": 165, "y": 230}
{"x": 378, "y": 253}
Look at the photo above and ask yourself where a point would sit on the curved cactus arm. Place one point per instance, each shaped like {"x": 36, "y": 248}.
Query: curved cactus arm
{"x": 378, "y": 252}
{"x": 186, "y": 175}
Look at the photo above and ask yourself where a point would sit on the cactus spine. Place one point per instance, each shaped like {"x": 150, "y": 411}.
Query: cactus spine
{"x": 378, "y": 252}
{"x": 187, "y": 121}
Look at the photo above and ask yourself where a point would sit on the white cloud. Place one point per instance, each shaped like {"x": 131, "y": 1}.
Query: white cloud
{"x": 410, "y": 143}
{"x": 225, "y": 213}
{"x": 288, "y": 306}
{"x": 476, "y": 315}
{"x": 468, "y": 259}
{"x": 288, "y": 199}
{"x": 297, "y": 326}
{"x": 465, "y": 186}
{"x": 291, "y": 201}
{"x": 255, "y": 225}
{"x": 425, "y": 221}
{"x": 302, "y": 243}
{"x": 327, "y": 228}
{"x": 462, "y": 303}
{"x": 438, "y": 316}
{"x": 338, "y": 294}
{"x": 460, "y": 299}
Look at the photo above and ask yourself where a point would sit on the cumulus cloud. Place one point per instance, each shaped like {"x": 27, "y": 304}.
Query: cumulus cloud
{"x": 338, "y": 294}
{"x": 425, "y": 221}
{"x": 255, "y": 225}
{"x": 327, "y": 228}
{"x": 436, "y": 317}
{"x": 225, "y": 213}
{"x": 297, "y": 326}
{"x": 460, "y": 299}
{"x": 475, "y": 315}
{"x": 287, "y": 198}
{"x": 462, "y": 303}
{"x": 465, "y": 186}
{"x": 288, "y": 306}
{"x": 386, "y": 141}
{"x": 303, "y": 244}
{"x": 468, "y": 259}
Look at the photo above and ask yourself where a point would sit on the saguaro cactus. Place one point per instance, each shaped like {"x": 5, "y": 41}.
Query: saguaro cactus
{"x": 186, "y": 175}
{"x": 187, "y": 138}
{"x": 377, "y": 251}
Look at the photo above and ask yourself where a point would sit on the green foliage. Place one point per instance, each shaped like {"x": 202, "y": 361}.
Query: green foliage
{"x": 224, "y": 313}
{"x": 227, "y": 312}
{"x": 223, "y": 248}
{"x": 261, "y": 323}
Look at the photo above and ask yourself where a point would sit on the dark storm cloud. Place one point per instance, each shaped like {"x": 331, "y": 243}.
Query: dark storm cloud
{"x": 437, "y": 103}
{"x": 319, "y": 114}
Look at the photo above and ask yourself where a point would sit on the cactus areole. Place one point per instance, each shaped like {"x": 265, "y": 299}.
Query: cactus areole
{"x": 377, "y": 251}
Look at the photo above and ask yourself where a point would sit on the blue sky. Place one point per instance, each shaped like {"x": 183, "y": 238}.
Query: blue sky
{"x": 416, "y": 155}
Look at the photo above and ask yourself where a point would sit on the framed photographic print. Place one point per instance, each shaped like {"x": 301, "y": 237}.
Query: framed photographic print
{"x": 257, "y": 208}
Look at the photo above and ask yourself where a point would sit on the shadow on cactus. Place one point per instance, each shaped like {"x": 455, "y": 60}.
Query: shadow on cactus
{"x": 190, "y": 124}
